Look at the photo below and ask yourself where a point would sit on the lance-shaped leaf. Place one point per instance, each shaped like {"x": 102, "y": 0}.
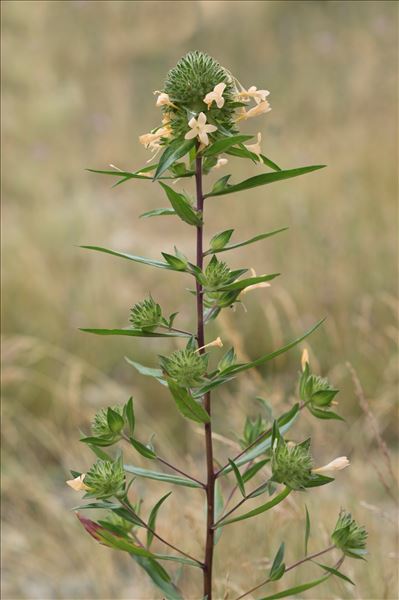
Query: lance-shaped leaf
{"x": 260, "y": 509}
{"x": 124, "y": 544}
{"x": 253, "y": 470}
{"x": 159, "y": 577}
{"x": 321, "y": 413}
{"x": 335, "y": 572}
{"x": 128, "y": 412}
{"x": 188, "y": 407}
{"x": 245, "y": 153}
{"x": 239, "y": 479}
{"x": 219, "y": 241}
{"x": 139, "y": 259}
{"x": 147, "y": 371}
{"x": 133, "y": 332}
{"x": 157, "y": 212}
{"x": 223, "y": 144}
{"x": 244, "y": 283}
{"x": 115, "y": 421}
{"x": 293, "y": 591}
{"x": 142, "y": 449}
{"x": 278, "y": 567}
{"x": 153, "y": 517}
{"x": 316, "y": 480}
{"x": 182, "y": 206}
{"x": 307, "y": 530}
{"x": 264, "y": 179}
{"x": 219, "y": 507}
{"x": 164, "y": 477}
{"x": 214, "y": 249}
{"x": 173, "y": 152}
{"x": 266, "y": 357}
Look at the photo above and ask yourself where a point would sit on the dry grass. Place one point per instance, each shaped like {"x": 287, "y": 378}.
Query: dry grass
{"x": 77, "y": 89}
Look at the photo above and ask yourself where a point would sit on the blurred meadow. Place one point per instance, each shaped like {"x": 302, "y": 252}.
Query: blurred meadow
{"x": 77, "y": 91}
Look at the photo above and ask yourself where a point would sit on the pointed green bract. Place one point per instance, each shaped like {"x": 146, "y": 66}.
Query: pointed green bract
{"x": 153, "y": 517}
{"x": 257, "y": 511}
{"x": 164, "y": 477}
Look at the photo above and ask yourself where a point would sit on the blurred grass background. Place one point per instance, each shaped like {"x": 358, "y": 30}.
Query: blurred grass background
{"x": 77, "y": 91}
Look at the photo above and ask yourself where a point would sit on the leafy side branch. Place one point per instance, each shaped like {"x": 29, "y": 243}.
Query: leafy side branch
{"x": 202, "y": 106}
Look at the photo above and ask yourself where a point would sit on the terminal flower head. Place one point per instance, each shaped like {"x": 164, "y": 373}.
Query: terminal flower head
{"x": 335, "y": 465}
{"x": 200, "y": 128}
{"x": 255, "y": 148}
{"x": 78, "y": 484}
{"x": 216, "y": 96}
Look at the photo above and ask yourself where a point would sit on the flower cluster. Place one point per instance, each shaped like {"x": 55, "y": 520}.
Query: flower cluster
{"x": 106, "y": 478}
{"x": 349, "y": 536}
{"x": 146, "y": 315}
{"x": 100, "y": 425}
{"x": 316, "y": 392}
{"x": 200, "y": 97}
{"x": 292, "y": 464}
{"x": 186, "y": 367}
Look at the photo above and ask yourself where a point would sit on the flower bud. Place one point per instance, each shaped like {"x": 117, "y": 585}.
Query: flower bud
{"x": 349, "y": 537}
{"x": 292, "y": 464}
{"x": 186, "y": 367}
{"x": 146, "y": 315}
{"x": 217, "y": 274}
{"x": 315, "y": 391}
{"x": 106, "y": 478}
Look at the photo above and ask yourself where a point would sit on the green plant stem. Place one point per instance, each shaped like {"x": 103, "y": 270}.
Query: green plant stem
{"x": 188, "y": 333}
{"x": 161, "y": 539}
{"x": 210, "y": 483}
{"x": 296, "y": 564}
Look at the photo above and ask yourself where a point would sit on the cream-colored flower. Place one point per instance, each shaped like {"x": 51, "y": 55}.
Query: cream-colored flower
{"x": 200, "y": 129}
{"x": 218, "y": 343}
{"x": 164, "y": 100}
{"x": 304, "y": 359}
{"x": 255, "y": 148}
{"x": 257, "y": 95}
{"x": 255, "y": 111}
{"x": 335, "y": 465}
{"x": 255, "y": 286}
{"x": 216, "y": 96}
{"x": 221, "y": 162}
{"x": 77, "y": 484}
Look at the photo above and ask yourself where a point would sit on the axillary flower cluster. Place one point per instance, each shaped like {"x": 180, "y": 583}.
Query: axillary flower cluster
{"x": 202, "y": 100}
{"x": 202, "y": 105}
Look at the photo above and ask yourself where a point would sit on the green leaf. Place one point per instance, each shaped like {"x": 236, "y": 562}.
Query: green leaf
{"x": 165, "y": 477}
{"x": 318, "y": 480}
{"x": 172, "y": 153}
{"x": 157, "y": 575}
{"x": 264, "y": 179}
{"x": 219, "y": 241}
{"x": 180, "y": 559}
{"x": 260, "y": 509}
{"x": 243, "y": 283}
{"x": 262, "y": 236}
{"x": 219, "y": 507}
{"x": 157, "y": 212}
{"x": 227, "y": 360}
{"x": 307, "y": 530}
{"x": 238, "y": 477}
{"x": 335, "y": 572}
{"x": 115, "y": 421}
{"x": 176, "y": 263}
{"x": 153, "y": 517}
{"x": 125, "y": 175}
{"x": 252, "y": 471}
{"x": 132, "y": 332}
{"x": 104, "y": 440}
{"x": 221, "y": 145}
{"x": 221, "y": 183}
{"x": 182, "y": 206}
{"x": 100, "y": 453}
{"x": 278, "y": 567}
{"x": 104, "y": 505}
{"x": 124, "y": 544}
{"x": 129, "y": 415}
{"x": 266, "y": 357}
{"x": 245, "y": 153}
{"x": 323, "y": 414}
{"x": 140, "y": 259}
{"x": 147, "y": 371}
{"x": 297, "y": 589}
{"x": 142, "y": 449}
{"x": 186, "y": 404}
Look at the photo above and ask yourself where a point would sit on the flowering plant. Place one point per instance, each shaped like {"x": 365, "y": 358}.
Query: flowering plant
{"x": 202, "y": 105}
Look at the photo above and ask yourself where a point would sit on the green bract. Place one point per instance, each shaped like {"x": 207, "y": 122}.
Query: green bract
{"x": 350, "y": 537}
{"x": 146, "y": 315}
{"x": 292, "y": 464}
{"x": 217, "y": 273}
{"x": 100, "y": 423}
{"x": 186, "y": 367}
{"x": 106, "y": 478}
